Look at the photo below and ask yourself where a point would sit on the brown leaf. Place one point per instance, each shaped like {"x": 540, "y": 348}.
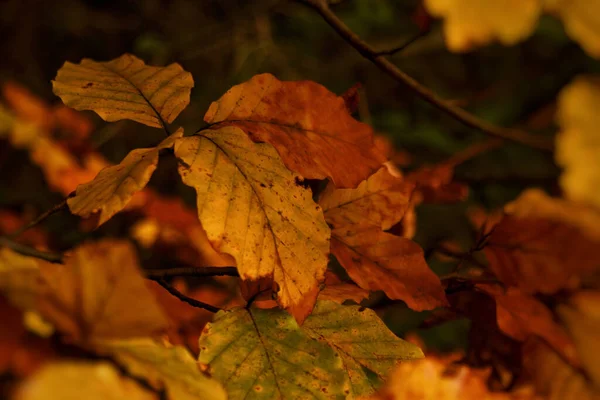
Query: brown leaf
{"x": 539, "y": 249}
{"x": 309, "y": 126}
{"x": 100, "y": 294}
{"x": 521, "y": 315}
{"x": 381, "y": 200}
{"x": 339, "y": 291}
{"x": 435, "y": 185}
{"x": 376, "y": 260}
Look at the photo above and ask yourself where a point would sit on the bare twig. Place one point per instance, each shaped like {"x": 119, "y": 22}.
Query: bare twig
{"x": 30, "y": 251}
{"x": 425, "y": 93}
{"x": 186, "y": 299}
{"x": 472, "y": 152}
{"x": 191, "y": 271}
{"x": 58, "y": 207}
{"x": 403, "y": 46}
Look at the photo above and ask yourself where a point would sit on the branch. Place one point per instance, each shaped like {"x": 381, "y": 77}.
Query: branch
{"x": 59, "y": 207}
{"x": 425, "y": 93}
{"x": 156, "y": 274}
{"x": 403, "y": 46}
{"x": 186, "y": 299}
{"x": 30, "y": 251}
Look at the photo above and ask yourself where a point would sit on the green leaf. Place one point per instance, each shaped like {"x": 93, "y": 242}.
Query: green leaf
{"x": 125, "y": 88}
{"x": 263, "y": 354}
{"x": 362, "y": 340}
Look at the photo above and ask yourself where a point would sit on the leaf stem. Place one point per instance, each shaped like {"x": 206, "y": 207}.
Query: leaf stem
{"x": 425, "y": 93}
{"x": 58, "y": 207}
{"x": 186, "y": 299}
{"x": 56, "y": 258}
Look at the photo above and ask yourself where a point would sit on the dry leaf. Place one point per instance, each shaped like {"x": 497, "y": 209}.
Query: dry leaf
{"x": 381, "y": 201}
{"x": 70, "y": 380}
{"x": 538, "y": 249}
{"x": 578, "y": 142}
{"x": 125, "y": 88}
{"x": 471, "y": 23}
{"x": 338, "y": 291}
{"x": 376, "y": 260}
{"x": 582, "y": 318}
{"x": 581, "y": 19}
{"x": 99, "y": 293}
{"x": 520, "y": 316}
{"x": 19, "y": 278}
{"x": 114, "y": 186}
{"x": 309, "y": 126}
{"x": 253, "y": 208}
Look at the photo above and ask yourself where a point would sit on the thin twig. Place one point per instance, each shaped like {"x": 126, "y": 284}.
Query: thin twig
{"x": 468, "y": 278}
{"x": 472, "y": 152}
{"x": 30, "y": 251}
{"x": 403, "y": 46}
{"x": 425, "y": 93}
{"x": 191, "y": 271}
{"x": 58, "y": 207}
{"x": 186, "y": 299}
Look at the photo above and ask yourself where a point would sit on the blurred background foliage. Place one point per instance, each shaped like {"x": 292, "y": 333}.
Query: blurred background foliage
{"x": 225, "y": 42}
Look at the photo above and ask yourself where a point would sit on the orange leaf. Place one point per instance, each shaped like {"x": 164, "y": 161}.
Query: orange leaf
{"x": 27, "y": 106}
{"x": 309, "y": 126}
{"x": 339, "y": 291}
{"x": 376, "y": 260}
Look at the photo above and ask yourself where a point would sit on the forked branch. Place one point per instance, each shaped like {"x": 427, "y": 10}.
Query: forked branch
{"x": 377, "y": 58}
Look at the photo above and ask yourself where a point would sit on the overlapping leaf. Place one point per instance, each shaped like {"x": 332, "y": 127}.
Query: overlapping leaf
{"x": 339, "y": 291}
{"x": 169, "y": 367}
{"x": 363, "y": 342}
{"x": 470, "y": 23}
{"x": 309, "y": 126}
{"x": 125, "y": 88}
{"x": 100, "y": 293}
{"x": 113, "y": 187}
{"x": 578, "y": 143}
{"x": 76, "y": 379}
{"x": 253, "y": 208}
{"x": 19, "y": 278}
{"x": 263, "y": 354}
{"x": 543, "y": 248}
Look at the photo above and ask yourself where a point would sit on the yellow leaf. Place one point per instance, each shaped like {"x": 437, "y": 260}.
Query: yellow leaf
{"x": 471, "y": 23}
{"x": 582, "y": 318}
{"x": 381, "y": 200}
{"x": 377, "y": 260}
{"x": 100, "y": 293}
{"x": 253, "y": 208}
{"x": 19, "y": 278}
{"x": 70, "y": 380}
{"x": 113, "y": 187}
{"x": 164, "y": 366}
{"x": 125, "y": 88}
{"x": 309, "y": 126}
{"x": 578, "y": 143}
{"x": 582, "y": 21}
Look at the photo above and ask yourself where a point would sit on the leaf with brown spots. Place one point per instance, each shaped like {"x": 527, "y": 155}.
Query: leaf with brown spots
{"x": 309, "y": 126}
{"x": 339, "y": 291}
{"x": 125, "y": 88}
{"x": 363, "y": 342}
{"x": 263, "y": 354}
{"x": 100, "y": 294}
{"x": 252, "y": 207}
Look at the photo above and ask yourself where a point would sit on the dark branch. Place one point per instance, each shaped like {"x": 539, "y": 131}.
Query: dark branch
{"x": 59, "y": 207}
{"x": 30, "y": 251}
{"x": 191, "y": 271}
{"x": 425, "y": 93}
{"x": 186, "y": 299}
{"x": 403, "y": 46}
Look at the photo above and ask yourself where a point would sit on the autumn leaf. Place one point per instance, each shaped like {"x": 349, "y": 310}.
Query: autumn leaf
{"x": 19, "y": 278}
{"x": 253, "y": 208}
{"x": 376, "y": 260}
{"x": 381, "y": 200}
{"x": 581, "y": 315}
{"x": 521, "y": 315}
{"x": 72, "y": 379}
{"x": 339, "y": 291}
{"x": 114, "y": 186}
{"x": 125, "y": 88}
{"x": 363, "y": 342}
{"x": 264, "y": 354}
{"x": 100, "y": 293}
{"x": 578, "y": 142}
{"x": 470, "y": 23}
{"x": 539, "y": 250}
{"x": 309, "y": 126}
{"x": 581, "y": 19}
{"x": 164, "y": 366}
{"x": 552, "y": 377}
